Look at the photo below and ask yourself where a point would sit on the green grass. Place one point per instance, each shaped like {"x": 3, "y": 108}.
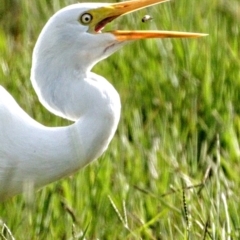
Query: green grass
{"x": 180, "y": 127}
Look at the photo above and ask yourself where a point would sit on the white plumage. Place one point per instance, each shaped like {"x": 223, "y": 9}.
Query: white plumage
{"x": 66, "y": 50}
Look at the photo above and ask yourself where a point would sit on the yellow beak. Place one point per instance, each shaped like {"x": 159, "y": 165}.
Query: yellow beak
{"x": 103, "y": 15}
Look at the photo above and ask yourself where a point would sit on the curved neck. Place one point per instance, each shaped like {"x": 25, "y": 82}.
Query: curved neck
{"x": 41, "y": 154}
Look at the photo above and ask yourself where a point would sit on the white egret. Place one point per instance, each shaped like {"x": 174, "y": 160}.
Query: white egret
{"x": 70, "y": 44}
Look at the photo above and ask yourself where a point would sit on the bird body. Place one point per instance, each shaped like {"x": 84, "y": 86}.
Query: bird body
{"x": 70, "y": 44}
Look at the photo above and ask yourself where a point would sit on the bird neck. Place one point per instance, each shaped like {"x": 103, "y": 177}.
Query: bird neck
{"x": 73, "y": 92}
{"x": 69, "y": 90}
{"x": 97, "y": 105}
{"x": 41, "y": 154}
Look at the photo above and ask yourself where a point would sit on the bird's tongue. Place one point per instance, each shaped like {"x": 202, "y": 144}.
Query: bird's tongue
{"x": 103, "y": 23}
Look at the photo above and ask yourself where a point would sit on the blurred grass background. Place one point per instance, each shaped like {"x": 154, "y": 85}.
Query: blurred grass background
{"x": 172, "y": 169}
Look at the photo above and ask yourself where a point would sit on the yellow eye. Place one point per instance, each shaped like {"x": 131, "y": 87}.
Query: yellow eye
{"x": 86, "y": 18}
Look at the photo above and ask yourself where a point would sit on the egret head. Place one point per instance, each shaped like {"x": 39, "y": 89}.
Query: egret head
{"x": 75, "y": 32}
{"x": 73, "y": 41}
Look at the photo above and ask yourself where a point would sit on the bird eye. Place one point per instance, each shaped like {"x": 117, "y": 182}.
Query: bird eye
{"x": 86, "y": 18}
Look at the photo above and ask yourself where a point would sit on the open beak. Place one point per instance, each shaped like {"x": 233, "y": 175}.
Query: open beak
{"x": 103, "y": 15}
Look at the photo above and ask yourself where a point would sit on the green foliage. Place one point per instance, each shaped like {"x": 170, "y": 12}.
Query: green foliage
{"x": 171, "y": 171}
